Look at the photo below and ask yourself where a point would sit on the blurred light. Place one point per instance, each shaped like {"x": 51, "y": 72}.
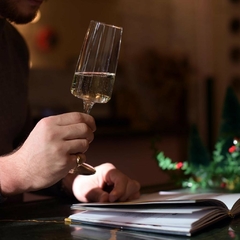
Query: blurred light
{"x": 235, "y": 141}
{"x": 37, "y": 18}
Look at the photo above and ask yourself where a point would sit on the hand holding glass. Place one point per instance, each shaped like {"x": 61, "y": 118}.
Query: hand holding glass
{"x": 97, "y": 64}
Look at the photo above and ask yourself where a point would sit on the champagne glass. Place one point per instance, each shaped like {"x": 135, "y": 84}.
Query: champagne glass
{"x": 95, "y": 72}
{"x": 97, "y": 64}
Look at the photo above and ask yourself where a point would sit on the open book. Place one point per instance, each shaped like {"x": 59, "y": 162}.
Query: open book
{"x": 164, "y": 212}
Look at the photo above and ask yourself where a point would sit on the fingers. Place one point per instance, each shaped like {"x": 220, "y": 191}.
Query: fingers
{"x": 80, "y": 130}
{"x": 75, "y": 118}
{"x": 118, "y": 185}
{"x": 77, "y": 125}
{"x": 74, "y": 130}
{"x": 125, "y": 191}
{"x": 76, "y": 146}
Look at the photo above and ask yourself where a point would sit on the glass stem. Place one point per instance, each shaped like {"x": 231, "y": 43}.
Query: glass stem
{"x": 87, "y": 106}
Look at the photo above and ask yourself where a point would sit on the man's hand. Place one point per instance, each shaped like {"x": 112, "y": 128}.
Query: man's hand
{"x": 48, "y": 153}
{"x": 107, "y": 185}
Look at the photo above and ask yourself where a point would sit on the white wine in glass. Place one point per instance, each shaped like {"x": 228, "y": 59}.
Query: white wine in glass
{"x": 97, "y": 64}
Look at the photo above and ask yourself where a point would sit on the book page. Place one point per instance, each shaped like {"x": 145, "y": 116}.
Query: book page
{"x": 158, "y": 209}
{"x": 139, "y": 218}
{"x": 156, "y": 222}
{"x": 227, "y": 199}
{"x": 214, "y": 199}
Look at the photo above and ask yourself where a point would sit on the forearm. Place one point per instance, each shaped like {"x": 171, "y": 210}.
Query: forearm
{"x": 13, "y": 180}
{"x": 12, "y": 176}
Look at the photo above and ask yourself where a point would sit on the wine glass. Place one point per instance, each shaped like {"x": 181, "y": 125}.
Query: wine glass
{"x": 95, "y": 72}
{"x": 97, "y": 64}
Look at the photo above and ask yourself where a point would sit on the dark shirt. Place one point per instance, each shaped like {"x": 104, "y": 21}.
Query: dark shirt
{"x": 15, "y": 121}
{"x": 14, "y": 70}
